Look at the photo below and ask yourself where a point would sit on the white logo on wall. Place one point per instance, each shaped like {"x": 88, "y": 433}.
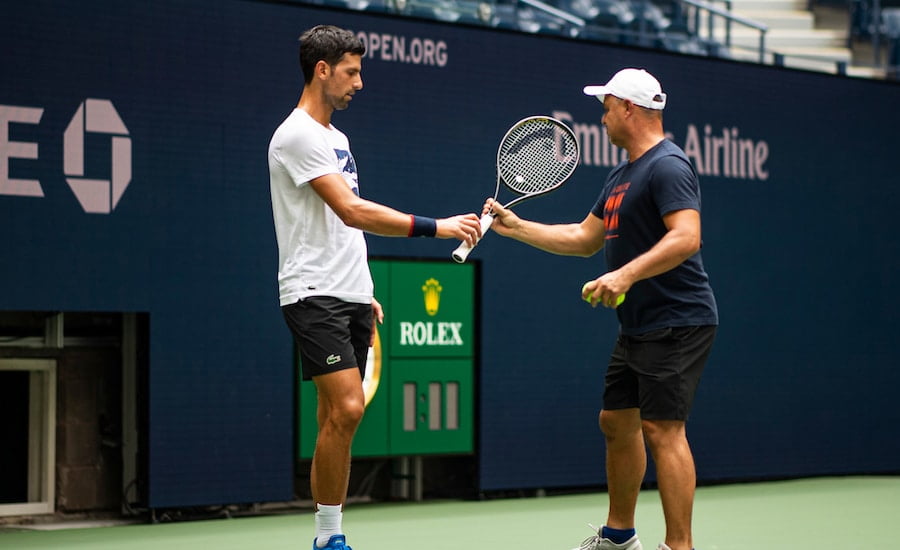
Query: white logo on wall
{"x": 97, "y": 196}
{"x": 402, "y": 49}
{"x": 99, "y": 116}
{"x": 722, "y": 153}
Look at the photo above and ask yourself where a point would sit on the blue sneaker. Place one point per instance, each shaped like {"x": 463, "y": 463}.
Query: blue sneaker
{"x": 336, "y": 542}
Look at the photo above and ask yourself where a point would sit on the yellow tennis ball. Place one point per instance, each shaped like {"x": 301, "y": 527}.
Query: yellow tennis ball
{"x": 587, "y": 299}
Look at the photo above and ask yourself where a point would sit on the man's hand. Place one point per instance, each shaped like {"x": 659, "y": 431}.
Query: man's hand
{"x": 465, "y": 227}
{"x": 606, "y": 290}
{"x": 505, "y": 221}
{"x": 377, "y": 317}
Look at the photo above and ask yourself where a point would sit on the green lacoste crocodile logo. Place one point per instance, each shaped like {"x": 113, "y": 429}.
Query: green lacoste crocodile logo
{"x": 332, "y": 359}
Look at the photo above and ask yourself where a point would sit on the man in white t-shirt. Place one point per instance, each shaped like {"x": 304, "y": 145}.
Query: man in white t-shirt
{"x": 325, "y": 287}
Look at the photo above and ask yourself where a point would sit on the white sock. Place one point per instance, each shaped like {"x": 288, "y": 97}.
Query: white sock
{"x": 328, "y": 522}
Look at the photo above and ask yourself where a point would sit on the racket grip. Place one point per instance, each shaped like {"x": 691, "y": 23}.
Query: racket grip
{"x": 462, "y": 251}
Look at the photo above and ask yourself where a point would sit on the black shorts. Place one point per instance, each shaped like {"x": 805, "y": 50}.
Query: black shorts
{"x": 658, "y": 372}
{"x": 331, "y": 334}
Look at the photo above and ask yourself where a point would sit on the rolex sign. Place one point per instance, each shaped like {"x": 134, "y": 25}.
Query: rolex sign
{"x": 431, "y": 309}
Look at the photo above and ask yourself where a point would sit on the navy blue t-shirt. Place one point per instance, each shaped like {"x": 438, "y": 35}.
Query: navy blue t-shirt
{"x": 634, "y": 200}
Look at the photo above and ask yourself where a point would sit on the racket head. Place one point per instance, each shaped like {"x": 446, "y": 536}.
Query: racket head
{"x": 537, "y": 155}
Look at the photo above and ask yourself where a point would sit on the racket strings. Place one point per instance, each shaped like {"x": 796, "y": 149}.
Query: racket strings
{"x": 537, "y": 156}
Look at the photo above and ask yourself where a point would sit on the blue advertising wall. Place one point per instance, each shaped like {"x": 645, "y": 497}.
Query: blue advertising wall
{"x": 170, "y": 106}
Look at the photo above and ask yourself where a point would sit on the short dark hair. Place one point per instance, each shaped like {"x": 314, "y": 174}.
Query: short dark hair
{"x": 326, "y": 43}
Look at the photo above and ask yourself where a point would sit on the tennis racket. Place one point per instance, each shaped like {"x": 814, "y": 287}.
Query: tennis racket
{"x": 535, "y": 157}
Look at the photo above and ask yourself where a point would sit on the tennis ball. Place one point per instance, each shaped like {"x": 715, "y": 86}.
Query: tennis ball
{"x": 587, "y": 299}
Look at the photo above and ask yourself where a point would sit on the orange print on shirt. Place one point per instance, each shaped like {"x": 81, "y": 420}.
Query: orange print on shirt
{"x": 611, "y": 210}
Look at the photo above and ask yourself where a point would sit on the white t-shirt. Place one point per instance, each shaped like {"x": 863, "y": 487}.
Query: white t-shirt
{"x": 318, "y": 255}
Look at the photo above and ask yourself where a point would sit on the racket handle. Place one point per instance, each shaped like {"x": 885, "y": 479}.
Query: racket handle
{"x": 462, "y": 251}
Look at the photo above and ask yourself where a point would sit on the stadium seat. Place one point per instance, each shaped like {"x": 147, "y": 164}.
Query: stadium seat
{"x": 890, "y": 21}
{"x": 619, "y": 10}
{"x": 537, "y": 21}
{"x": 649, "y": 24}
{"x": 890, "y": 24}
{"x": 602, "y": 33}
{"x": 504, "y": 16}
{"x": 358, "y": 5}
{"x": 679, "y": 38}
{"x": 861, "y": 15}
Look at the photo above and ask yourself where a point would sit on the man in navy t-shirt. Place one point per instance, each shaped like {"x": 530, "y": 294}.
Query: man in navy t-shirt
{"x": 647, "y": 220}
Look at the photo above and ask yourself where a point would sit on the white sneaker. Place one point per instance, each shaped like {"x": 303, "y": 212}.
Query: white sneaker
{"x": 597, "y": 543}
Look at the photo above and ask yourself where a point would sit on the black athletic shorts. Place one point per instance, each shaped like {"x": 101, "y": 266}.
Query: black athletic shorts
{"x": 331, "y": 334}
{"x": 658, "y": 372}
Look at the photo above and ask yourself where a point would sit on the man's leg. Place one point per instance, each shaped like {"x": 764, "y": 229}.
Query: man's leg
{"x": 626, "y": 463}
{"x": 340, "y": 410}
{"x": 676, "y": 478}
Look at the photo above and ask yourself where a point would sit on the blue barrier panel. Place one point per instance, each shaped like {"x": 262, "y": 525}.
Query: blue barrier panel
{"x": 143, "y": 186}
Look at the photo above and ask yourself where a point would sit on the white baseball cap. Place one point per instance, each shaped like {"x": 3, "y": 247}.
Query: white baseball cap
{"x": 635, "y": 85}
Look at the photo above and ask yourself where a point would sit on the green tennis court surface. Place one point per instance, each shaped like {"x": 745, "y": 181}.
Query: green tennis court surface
{"x": 846, "y": 513}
